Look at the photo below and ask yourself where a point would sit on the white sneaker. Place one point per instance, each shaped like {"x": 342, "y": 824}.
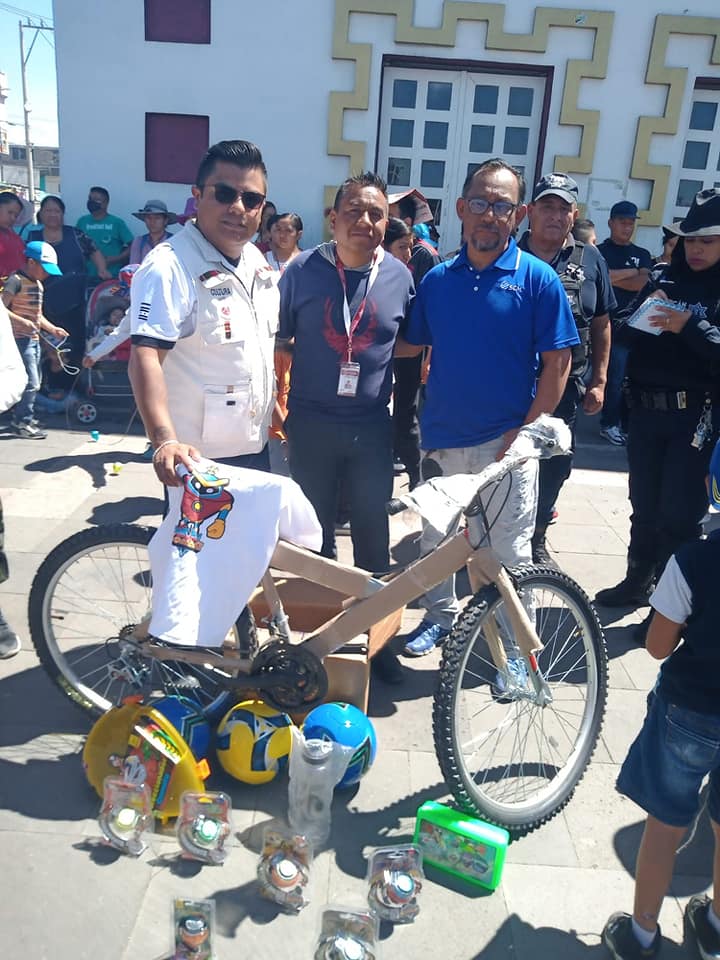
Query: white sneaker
{"x": 614, "y": 435}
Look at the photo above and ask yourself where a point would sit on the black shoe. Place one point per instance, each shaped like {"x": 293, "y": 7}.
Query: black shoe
{"x": 540, "y": 555}
{"x": 398, "y": 465}
{"x": 386, "y": 667}
{"x": 622, "y": 943}
{"x": 699, "y": 929}
{"x": 630, "y": 592}
{"x": 639, "y": 631}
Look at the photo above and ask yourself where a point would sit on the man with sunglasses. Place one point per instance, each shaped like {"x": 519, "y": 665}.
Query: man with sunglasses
{"x": 204, "y": 313}
{"x": 491, "y": 314}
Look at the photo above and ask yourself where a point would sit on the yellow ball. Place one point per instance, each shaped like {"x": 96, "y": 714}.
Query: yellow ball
{"x": 253, "y": 742}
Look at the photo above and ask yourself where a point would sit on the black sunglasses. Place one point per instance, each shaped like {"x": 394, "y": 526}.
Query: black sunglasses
{"x": 226, "y": 195}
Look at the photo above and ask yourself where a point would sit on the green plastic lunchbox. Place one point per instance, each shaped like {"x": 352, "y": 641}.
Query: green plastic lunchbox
{"x": 461, "y": 845}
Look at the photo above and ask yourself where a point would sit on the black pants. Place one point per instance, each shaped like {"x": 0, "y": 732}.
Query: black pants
{"x": 406, "y": 432}
{"x": 322, "y": 456}
{"x": 554, "y": 471}
{"x": 667, "y": 484}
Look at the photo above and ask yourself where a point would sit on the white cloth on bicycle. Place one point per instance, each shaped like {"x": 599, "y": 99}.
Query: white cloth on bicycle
{"x": 215, "y": 544}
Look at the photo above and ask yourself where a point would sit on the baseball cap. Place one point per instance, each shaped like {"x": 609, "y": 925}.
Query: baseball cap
{"x": 45, "y": 255}
{"x": 558, "y": 184}
{"x": 624, "y": 208}
{"x": 714, "y": 480}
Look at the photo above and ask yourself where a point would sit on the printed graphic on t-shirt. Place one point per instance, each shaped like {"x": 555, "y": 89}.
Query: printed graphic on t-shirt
{"x": 205, "y": 496}
{"x": 339, "y": 341}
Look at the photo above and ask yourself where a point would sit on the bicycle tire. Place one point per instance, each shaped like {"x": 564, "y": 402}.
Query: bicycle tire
{"x": 68, "y": 626}
{"x": 494, "y": 791}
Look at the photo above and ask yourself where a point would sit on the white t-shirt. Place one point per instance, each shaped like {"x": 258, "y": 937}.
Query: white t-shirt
{"x": 215, "y": 544}
{"x": 672, "y": 597}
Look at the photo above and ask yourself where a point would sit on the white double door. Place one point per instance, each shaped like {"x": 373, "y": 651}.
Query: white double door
{"x": 436, "y": 125}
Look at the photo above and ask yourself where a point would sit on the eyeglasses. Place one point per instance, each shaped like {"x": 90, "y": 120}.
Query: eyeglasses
{"x": 501, "y": 209}
{"x": 226, "y": 195}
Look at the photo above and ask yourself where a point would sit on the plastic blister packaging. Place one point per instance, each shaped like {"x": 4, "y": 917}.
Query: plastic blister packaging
{"x": 284, "y": 869}
{"x": 347, "y": 934}
{"x": 395, "y": 877}
{"x": 203, "y": 826}
{"x": 193, "y": 928}
{"x": 126, "y": 815}
{"x": 316, "y": 767}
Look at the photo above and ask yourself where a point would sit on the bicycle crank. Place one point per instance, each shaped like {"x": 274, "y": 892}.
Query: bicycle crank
{"x": 289, "y": 675}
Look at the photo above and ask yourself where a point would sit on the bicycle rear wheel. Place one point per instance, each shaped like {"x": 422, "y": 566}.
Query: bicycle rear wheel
{"x": 89, "y": 593}
{"x": 504, "y": 756}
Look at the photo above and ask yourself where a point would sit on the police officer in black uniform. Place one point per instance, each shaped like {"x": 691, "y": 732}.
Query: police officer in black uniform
{"x": 673, "y": 391}
{"x": 584, "y": 275}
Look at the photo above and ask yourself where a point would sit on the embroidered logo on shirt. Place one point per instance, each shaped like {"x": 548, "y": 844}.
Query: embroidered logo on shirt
{"x": 509, "y": 285}
{"x": 220, "y": 292}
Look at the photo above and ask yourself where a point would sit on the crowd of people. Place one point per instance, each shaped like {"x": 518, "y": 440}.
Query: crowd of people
{"x": 312, "y": 362}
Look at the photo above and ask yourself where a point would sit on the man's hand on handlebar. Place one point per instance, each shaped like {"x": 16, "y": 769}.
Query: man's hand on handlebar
{"x": 169, "y": 457}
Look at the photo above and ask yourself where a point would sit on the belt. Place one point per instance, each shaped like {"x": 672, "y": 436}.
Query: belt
{"x": 665, "y": 399}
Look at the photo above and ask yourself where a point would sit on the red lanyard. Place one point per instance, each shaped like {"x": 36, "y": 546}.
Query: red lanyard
{"x": 352, "y": 323}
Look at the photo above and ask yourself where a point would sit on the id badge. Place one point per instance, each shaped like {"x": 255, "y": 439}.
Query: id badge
{"x": 348, "y": 382}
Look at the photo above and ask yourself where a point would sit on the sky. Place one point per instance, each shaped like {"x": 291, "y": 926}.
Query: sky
{"x": 42, "y": 88}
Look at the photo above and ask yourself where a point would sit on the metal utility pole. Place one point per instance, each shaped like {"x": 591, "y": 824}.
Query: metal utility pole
{"x": 26, "y": 105}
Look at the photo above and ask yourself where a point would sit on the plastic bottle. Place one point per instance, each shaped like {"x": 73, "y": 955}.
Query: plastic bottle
{"x": 316, "y": 766}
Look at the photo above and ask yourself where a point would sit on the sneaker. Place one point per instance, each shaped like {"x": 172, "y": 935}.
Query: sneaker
{"x": 630, "y": 592}
{"x": 424, "y": 638}
{"x": 699, "y": 928}
{"x": 614, "y": 435}
{"x": 398, "y": 466}
{"x": 386, "y": 667}
{"x": 513, "y": 679}
{"x": 640, "y": 630}
{"x": 553, "y": 516}
{"x": 9, "y": 642}
{"x": 622, "y": 943}
{"x": 148, "y": 452}
{"x": 28, "y": 431}
{"x": 540, "y": 554}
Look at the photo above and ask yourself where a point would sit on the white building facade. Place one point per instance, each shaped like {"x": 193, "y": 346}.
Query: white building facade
{"x": 625, "y": 97}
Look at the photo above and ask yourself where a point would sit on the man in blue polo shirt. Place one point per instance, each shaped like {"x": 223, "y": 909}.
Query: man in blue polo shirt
{"x": 491, "y": 314}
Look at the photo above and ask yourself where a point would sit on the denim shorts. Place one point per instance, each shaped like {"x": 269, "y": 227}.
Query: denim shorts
{"x": 666, "y": 765}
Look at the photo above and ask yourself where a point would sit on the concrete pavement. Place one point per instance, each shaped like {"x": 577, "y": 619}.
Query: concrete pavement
{"x": 62, "y": 897}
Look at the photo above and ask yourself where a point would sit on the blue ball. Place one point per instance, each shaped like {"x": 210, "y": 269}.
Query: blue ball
{"x": 343, "y": 723}
{"x": 189, "y": 722}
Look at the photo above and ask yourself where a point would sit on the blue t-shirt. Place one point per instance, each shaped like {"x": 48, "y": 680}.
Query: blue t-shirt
{"x": 487, "y": 329}
{"x": 311, "y": 311}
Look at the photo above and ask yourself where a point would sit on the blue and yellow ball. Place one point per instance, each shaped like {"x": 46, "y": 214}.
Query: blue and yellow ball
{"x": 189, "y": 722}
{"x": 345, "y": 724}
{"x": 253, "y": 742}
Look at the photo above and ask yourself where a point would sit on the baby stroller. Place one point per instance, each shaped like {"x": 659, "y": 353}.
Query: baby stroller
{"x": 107, "y": 385}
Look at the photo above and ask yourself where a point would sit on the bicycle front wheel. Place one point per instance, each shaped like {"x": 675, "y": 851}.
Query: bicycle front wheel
{"x": 507, "y": 756}
{"x": 90, "y": 593}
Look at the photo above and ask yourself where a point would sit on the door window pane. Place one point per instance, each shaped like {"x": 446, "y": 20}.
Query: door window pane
{"x": 703, "y": 115}
{"x": 398, "y": 172}
{"x": 486, "y": 99}
{"x": 696, "y": 155}
{"x": 520, "y": 101}
{"x": 436, "y": 135}
{"x": 481, "y": 138}
{"x": 401, "y": 133}
{"x": 516, "y": 139}
{"x": 686, "y": 192}
{"x": 439, "y": 95}
{"x": 404, "y": 93}
{"x": 436, "y": 208}
{"x": 432, "y": 173}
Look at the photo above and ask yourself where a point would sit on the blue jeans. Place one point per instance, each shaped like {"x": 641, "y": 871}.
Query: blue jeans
{"x": 612, "y": 411}
{"x": 30, "y": 352}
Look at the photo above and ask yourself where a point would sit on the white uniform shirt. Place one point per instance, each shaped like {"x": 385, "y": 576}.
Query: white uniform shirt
{"x": 221, "y": 320}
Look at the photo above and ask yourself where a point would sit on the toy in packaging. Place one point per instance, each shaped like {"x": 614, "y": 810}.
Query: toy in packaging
{"x": 203, "y": 826}
{"x": 193, "y": 930}
{"x": 347, "y": 934}
{"x": 460, "y": 844}
{"x": 284, "y": 869}
{"x": 125, "y": 815}
{"x": 395, "y": 876}
{"x": 316, "y": 766}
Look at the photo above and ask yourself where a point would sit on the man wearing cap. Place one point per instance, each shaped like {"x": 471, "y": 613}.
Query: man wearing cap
{"x": 157, "y": 218}
{"x": 23, "y": 296}
{"x": 411, "y": 207}
{"x": 629, "y": 267}
{"x": 492, "y": 314}
{"x": 109, "y": 233}
{"x": 584, "y": 275}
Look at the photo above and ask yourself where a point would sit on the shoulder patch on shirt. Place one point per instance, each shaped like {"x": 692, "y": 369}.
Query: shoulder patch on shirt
{"x": 144, "y": 311}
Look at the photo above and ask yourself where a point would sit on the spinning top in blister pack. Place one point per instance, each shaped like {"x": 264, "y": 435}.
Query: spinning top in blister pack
{"x": 193, "y": 929}
{"x": 395, "y": 876}
{"x": 125, "y": 815}
{"x": 284, "y": 869}
{"x": 347, "y": 934}
{"x": 203, "y": 826}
